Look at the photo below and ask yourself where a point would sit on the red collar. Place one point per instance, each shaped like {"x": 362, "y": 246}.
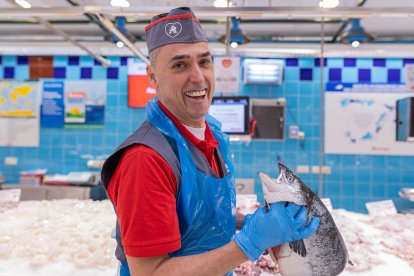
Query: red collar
{"x": 209, "y": 139}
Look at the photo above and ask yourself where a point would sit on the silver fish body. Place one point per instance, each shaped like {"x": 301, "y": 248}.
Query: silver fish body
{"x": 322, "y": 254}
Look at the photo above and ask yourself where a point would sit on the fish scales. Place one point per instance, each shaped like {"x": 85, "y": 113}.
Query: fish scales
{"x": 322, "y": 254}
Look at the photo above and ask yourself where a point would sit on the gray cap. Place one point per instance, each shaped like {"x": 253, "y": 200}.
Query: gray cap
{"x": 177, "y": 26}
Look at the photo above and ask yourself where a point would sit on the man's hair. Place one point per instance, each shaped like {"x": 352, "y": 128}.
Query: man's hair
{"x": 153, "y": 55}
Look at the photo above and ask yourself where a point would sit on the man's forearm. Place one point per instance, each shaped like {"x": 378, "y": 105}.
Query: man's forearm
{"x": 215, "y": 262}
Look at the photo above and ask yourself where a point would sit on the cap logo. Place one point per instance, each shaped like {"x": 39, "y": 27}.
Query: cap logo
{"x": 173, "y": 29}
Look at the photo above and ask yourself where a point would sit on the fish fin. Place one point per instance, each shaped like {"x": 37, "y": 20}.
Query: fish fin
{"x": 298, "y": 247}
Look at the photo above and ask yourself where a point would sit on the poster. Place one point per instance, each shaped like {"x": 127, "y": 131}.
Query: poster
{"x": 227, "y": 71}
{"x": 73, "y": 103}
{"x": 19, "y": 114}
{"x": 52, "y": 106}
{"x": 361, "y": 119}
{"x": 409, "y": 76}
{"x": 139, "y": 88}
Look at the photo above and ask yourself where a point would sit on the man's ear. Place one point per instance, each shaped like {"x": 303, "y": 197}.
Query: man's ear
{"x": 151, "y": 76}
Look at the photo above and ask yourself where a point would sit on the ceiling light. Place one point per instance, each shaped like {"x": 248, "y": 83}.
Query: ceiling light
{"x": 356, "y": 33}
{"x": 222, "y": 3}
{"x": 328, "y": 4}
{"x": 236, "y": 34}
{"x": 355, "y": 43}
{"x": 119, "y": 44}
{"x": 120, "y": 3}
{"x": 23, "y": 4}
{"x": 234, "y": 44}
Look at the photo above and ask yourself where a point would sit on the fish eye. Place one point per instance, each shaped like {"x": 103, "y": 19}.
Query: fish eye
{"x": 290, "y": 178}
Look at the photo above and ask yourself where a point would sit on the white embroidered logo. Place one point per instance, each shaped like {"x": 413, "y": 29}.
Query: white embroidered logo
{"x": 173, "y": 29}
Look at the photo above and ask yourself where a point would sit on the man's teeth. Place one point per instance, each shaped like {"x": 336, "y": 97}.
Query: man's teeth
{"x": 198, "y": 93}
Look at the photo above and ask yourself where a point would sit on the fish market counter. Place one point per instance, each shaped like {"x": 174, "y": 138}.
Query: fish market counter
{"x": 73, "y": 237}
{"x": 57, "y": 237}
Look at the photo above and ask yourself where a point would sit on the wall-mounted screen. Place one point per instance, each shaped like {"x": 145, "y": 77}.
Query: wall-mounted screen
{"x": 263, "y": 71}
{"x": 233, "y": 113}
{"x": 269, "y": 118}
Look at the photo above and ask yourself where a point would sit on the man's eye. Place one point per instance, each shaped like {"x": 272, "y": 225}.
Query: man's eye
{"x": 179, "y": 65}
{"x": 205, "y": 61}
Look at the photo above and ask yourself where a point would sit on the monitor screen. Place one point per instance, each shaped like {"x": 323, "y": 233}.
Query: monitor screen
{"x": 233, "y": 113}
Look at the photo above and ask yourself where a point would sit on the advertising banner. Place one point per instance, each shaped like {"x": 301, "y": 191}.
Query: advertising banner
{"x": 361, "y": 119}
{"x": 139, "y": 88}
{"x": 227, "y": 71}
{"x": 73, "y": 103}
{"x": 19, "y": 114}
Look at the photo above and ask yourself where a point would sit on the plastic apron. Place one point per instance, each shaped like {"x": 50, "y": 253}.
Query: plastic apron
{"x": 206, "y": 205}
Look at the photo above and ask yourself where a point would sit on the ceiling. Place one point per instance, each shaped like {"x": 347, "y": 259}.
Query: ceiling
{"x": 277, "y": 28}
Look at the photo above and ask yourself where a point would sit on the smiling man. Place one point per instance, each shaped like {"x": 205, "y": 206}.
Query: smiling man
{"x": 172, "y": 182}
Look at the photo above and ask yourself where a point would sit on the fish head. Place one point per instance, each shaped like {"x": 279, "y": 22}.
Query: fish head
{"x": 286, "y": 187}
{"x": 287, "y": 176}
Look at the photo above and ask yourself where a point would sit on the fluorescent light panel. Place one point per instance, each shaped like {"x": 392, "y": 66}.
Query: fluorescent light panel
{"x": 23, "y": 3}
{"x": 120, "y": 3}
{"x": 222, "y": 3}
{"x": 328, "y": 4}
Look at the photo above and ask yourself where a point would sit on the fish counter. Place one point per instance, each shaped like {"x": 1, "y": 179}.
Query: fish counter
{"x": 73, "y": 237}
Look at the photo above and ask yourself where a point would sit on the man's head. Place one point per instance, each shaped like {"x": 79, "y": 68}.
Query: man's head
{"x": 181, "y": 67}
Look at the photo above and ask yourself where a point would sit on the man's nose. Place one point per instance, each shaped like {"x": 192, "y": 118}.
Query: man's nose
{"x": 196, "y": 74}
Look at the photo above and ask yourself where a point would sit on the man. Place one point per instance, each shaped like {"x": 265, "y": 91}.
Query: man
{"x": 172, "y": 182}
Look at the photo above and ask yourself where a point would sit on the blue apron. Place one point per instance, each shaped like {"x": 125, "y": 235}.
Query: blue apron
{"x": 206, "y": 205}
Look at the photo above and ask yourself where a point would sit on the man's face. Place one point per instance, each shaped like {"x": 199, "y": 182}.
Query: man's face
{"x": 183, "y": 76}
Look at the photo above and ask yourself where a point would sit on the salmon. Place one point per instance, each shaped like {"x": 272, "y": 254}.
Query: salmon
{"x": 322, "y": 254}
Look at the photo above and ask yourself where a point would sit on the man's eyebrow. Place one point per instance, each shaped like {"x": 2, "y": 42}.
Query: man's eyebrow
{"x": 182, "y": 57}
{"x": 206, "y": 54}
{"x": 179, "y": 57}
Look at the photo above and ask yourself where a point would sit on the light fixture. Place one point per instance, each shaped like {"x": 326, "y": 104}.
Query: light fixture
{"x": 236, "y": 35}
{"x": 222, "y": 3}
{"x": 355, "y": 43}
{"x": 356, "y": 33}
{"x": 328, "y": 4}
{"x": 23, "y": 3}
{"x": 120, "y": 3}
{"x": 120, "y": 24}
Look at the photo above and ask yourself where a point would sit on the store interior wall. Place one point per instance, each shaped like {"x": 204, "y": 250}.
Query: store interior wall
{"x": 354, "y": 180}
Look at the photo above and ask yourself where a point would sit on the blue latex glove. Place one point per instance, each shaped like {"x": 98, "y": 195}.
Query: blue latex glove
{"x": 279, "y": 225}
{"x": 246, "y": 220}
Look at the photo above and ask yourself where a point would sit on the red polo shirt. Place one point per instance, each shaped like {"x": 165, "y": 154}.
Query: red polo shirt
{"x": 143, "y": 190}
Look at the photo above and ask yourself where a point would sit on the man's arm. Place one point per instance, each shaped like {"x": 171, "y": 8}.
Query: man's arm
{"x": 215, "y": 262}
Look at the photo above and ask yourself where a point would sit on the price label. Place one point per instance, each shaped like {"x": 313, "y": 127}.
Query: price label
{"x": 10, "y": 195}
{"x": 9, "y": 198}
{"x": 328, "y": 203}
{"x": 381, "y": 208}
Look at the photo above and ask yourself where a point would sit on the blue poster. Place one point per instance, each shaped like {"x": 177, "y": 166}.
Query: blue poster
{"x": 73, "y": 103}
{"x": 52, "y": 107}
{"x": 85, "y": 103}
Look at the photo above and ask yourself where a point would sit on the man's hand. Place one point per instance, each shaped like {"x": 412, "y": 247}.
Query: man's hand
{"x": 282, "y": 223}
